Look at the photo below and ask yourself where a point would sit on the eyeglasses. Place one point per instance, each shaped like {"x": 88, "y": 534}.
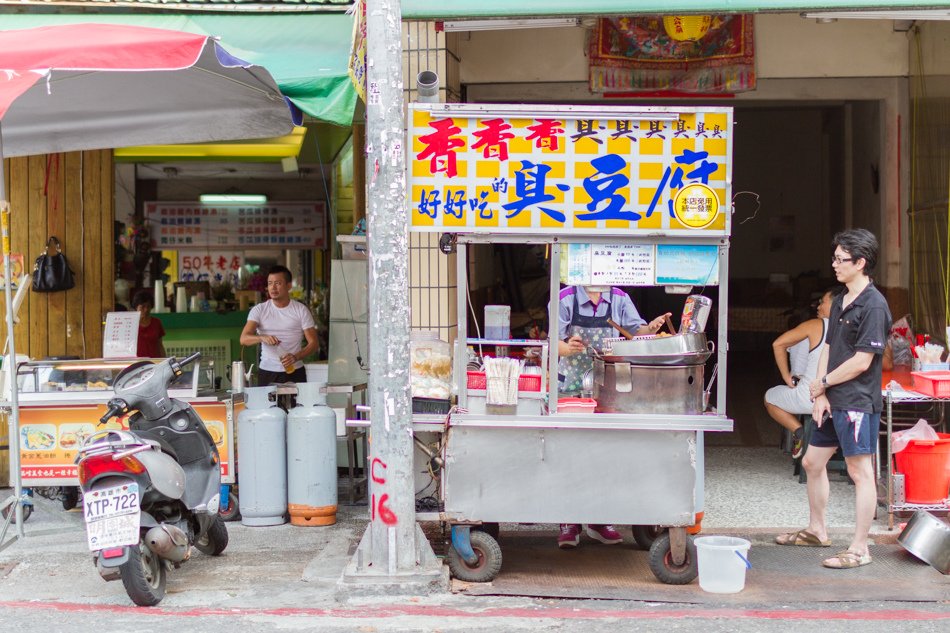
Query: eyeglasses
{"x": 841, "y": 260}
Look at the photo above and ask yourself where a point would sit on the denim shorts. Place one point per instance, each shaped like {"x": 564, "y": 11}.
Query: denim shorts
{"x": 855, "y": 432}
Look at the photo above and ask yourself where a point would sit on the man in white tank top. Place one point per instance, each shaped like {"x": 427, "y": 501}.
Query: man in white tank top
{"x": 796, "y": 354}
{"x": 279, "y": 325}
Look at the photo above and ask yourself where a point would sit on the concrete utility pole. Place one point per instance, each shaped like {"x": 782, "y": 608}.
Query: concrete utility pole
{"x": 394, "y": 553}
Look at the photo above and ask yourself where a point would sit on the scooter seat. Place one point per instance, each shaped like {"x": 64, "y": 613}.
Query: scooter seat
{"x": 163, "y": 444}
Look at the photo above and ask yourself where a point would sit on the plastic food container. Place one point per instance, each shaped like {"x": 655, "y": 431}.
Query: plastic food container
{"x": 526, "y": 382}
{"x": 932, "y": 383}
{"x": 576, "y": 405}
{"x": 431, "y": 366}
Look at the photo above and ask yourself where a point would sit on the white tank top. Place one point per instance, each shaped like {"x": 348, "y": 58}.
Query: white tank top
{"x": 802, "y": 360}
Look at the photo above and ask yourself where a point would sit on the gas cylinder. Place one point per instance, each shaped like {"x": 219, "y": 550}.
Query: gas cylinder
{"x": 262, "y": 459}
{"x": 311, "y": 458}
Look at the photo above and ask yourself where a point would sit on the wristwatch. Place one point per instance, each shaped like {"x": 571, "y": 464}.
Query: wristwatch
{"x": 824, "y": 381}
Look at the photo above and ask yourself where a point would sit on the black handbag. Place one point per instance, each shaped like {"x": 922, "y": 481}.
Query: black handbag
{"x": 51, "y": 273}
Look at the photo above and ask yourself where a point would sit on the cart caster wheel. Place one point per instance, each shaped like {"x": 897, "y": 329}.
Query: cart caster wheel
{"x": 27, "y": 511}
{"x": 233, "y": 510}
{"x": 662, "y": 566}
{"x": 646, "y": 535}
{"x": 491, "y": 529}
{"x": 489, "y": 559}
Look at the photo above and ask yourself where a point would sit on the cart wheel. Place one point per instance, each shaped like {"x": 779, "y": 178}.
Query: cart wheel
{"x": 645, "y": 535}
{"x": 489, "y": 559}
{"x": 662, "y": 566}
{"x": 233, "y": 511}
{"x": 491, "y": 529}
{"x": 27, "y": 511}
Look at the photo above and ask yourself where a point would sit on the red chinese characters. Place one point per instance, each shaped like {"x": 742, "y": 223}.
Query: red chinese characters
{"x": 440, "y": 147}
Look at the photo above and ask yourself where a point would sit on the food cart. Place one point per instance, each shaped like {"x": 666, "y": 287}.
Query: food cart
{"x": 61, "y": 402}
{"x": 620, "y": 196}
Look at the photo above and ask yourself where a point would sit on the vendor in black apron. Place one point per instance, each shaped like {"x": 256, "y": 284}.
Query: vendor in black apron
{"x": 583, "y": 312}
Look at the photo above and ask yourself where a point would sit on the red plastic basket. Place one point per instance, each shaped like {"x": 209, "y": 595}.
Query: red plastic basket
{"x": 935, "y": 384}
{"x": 526, "y": 382}
{"x": 926, "y": 468}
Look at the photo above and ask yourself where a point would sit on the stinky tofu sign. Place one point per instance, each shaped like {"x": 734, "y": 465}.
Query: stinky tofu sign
{"x": 570, "y": 169}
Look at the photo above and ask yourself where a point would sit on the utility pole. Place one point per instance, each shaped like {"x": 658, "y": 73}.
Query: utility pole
{"x": 394, "y": 553}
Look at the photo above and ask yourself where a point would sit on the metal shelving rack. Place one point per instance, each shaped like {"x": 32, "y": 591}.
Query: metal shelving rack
{"x": 891, "y": 397}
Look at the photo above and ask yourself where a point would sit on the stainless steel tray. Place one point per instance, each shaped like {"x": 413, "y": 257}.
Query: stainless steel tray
{"x": 640, "y": 346}
{"x": 691, "y": 358}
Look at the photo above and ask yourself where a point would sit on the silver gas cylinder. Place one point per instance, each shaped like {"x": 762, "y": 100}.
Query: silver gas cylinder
{"x": 311, "y": 458}
{"x": 262, "y": 459}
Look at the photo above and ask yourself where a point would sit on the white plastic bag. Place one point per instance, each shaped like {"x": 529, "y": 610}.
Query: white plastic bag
{"x": 920, "y": 431}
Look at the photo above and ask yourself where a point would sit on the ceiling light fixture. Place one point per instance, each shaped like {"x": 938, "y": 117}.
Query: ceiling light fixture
{"x": 450, "y": 26}
{"x": 923, "y": 14}
{"x": 232, "y": 198}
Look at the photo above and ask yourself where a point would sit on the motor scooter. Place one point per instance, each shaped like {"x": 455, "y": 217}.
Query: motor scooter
{"x": 151, "y": 492}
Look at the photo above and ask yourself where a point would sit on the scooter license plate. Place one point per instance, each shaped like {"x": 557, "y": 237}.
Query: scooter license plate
{"x": 112, "y": 516}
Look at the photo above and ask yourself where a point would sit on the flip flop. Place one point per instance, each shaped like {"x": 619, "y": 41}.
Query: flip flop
{"x": 801, "y": 538}
{"x": 847, "y": 559}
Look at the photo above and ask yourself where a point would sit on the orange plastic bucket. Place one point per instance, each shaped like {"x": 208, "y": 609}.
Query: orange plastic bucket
{"x": 926, "y": 468}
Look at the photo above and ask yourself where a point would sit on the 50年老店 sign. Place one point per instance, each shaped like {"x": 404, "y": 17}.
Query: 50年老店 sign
{"x": 570, "y": 170}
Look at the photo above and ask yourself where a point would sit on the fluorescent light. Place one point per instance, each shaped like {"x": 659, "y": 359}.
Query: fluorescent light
{"x": 226, "y": 198}
{"x": 497, "y": 25}
{"x": 933, "y": 14}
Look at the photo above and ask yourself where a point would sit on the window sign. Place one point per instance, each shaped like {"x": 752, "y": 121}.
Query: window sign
{"x": 563, "y": 169}
{"x": 687, "y": 265}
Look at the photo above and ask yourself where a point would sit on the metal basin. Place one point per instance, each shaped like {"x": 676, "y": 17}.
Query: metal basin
{"x": 626, "y": 388}
{"x": 680, "y": 349}
{"x": 928, "y": 538}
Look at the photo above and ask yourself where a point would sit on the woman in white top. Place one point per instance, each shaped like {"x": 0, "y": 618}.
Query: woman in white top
{"x": 796, "y": 354}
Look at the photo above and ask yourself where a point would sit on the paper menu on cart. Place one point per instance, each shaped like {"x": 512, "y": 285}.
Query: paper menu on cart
{"x": 121, "y": 336}
{"x": 608, "y": 264}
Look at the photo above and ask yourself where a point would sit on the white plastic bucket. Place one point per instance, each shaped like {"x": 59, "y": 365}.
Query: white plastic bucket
{"x": 317, "y": 372}
{"x": 722, "y": 562}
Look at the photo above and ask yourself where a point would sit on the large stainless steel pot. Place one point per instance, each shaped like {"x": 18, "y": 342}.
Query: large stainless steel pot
{"x": 928, "y": 538}
{"x": 680, "y": 349}
{"x": 626, "y": 388}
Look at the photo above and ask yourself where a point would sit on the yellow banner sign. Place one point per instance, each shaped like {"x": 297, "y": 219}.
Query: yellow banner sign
{"x": 570, "y": 170}
{"x": 49, "y": 437}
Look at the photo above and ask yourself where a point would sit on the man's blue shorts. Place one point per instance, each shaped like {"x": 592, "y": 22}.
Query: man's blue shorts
{"x": 855, "y": 432}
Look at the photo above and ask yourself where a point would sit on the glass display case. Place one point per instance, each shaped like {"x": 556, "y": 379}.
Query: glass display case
{"x": 54, "y": 381}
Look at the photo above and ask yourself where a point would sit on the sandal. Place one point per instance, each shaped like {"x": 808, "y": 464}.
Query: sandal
{"x": 801, "y": 538}
{"x": 847, "y": 559}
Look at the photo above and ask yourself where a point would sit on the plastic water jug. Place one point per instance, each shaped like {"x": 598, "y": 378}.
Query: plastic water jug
{"x": 722, "y": 562}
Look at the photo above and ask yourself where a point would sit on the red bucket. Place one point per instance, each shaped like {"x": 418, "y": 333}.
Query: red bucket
{"x": 926, "y": 468}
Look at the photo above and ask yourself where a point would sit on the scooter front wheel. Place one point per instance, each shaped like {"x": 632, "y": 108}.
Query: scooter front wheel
{"x": 143, "y": 576}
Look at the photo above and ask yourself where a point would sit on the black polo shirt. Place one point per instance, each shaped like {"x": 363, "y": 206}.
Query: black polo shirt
{"x": 861, "y": 327}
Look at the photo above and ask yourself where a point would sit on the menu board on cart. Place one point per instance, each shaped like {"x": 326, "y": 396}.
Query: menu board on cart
{"x": 570, "y": 170}
{"x": 51, "y": 434}
{"x": 608, "y": 264}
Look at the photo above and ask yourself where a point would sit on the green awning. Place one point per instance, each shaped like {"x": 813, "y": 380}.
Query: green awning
{"x": 461, "y": 9}
{"x": 307, "y": 54}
